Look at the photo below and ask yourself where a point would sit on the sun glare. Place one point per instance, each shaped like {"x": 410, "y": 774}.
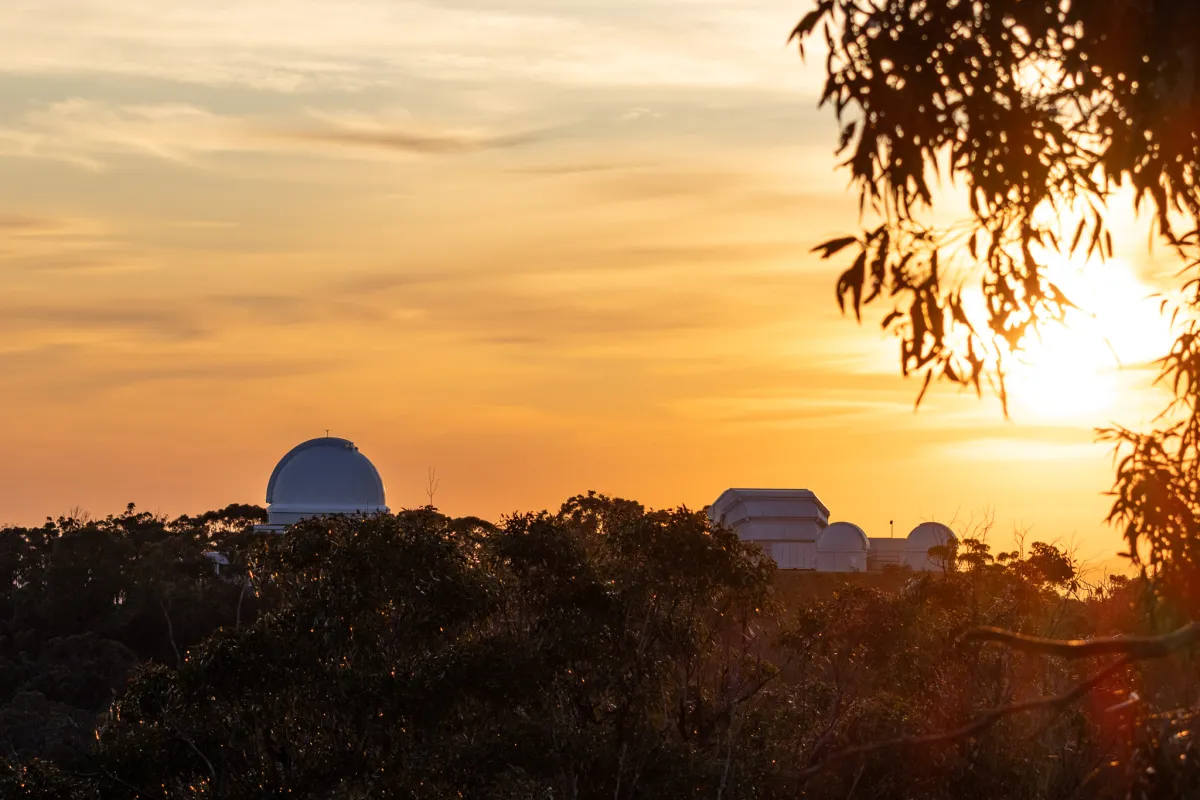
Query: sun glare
{"x": 1080, "y": 370}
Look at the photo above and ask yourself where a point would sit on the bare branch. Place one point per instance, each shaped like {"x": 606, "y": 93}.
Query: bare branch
{"x": 1130, "y": 648}
{"x": 983, "y": 722}
{"x": 171, "y": 632}
{"x": 432, "y": 486}
{"x": 187, "y": 740}
{"x": 1136, "y": 647}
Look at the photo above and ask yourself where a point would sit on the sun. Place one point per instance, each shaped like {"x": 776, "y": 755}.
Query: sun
{"x": 1064, "y": 374}
{"x": 1081, "y": 370}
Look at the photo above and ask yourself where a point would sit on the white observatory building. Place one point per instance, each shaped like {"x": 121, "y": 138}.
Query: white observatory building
{"x": 792, "y": 526}
{"x": 322, "y": 477}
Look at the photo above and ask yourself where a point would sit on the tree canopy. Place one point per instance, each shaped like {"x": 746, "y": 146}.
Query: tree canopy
{"x": 602, "y": 650}
{"x": 1043, "y": 114}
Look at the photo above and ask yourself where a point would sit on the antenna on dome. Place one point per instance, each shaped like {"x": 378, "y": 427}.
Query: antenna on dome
{"x": 327, "y": 433}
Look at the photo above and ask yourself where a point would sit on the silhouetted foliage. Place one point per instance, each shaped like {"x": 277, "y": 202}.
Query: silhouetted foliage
{"x": 1041, "y": 112}
{"x": 83, "y": 603}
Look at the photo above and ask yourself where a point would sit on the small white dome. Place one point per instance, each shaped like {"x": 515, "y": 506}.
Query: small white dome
{"x": 843, "y": 537}
{"x": 921, "y": 540}
{"x": 320, "y": 477}
{"x": 930, "y": 534}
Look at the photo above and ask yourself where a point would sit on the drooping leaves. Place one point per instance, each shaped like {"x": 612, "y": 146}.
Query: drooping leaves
{"x": 919, "y": 88}
{"x": 834, "y": 246}
{"x": 1038, "y": 111}
{"x": 852, "y": 282}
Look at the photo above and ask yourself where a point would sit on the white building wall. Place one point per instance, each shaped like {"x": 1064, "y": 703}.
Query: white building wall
{"x": 902, "y": 553}
{"x": 841, "y": 562}
{"x": 920, "y": 561}
{"x": 771, "y": 529}
{"x": 791, "y": 555}
{"x": 885, "y": 552}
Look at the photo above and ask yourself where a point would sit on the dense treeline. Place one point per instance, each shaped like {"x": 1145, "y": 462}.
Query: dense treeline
{"x": 600, "y": 651}
{"x": 83, "y": 603}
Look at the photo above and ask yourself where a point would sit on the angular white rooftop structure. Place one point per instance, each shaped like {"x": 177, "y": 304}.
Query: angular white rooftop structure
{"x": 322, "y": 477}
{"x": 792, "y": 526}
{"x": 786, "y": 522}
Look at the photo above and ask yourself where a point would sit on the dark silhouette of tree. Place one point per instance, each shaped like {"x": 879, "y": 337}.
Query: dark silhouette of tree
{"x": 603, "y": 649}
{"x": 84, "y": 602}
{"x": 1042, "y": 113}
{"x": 1039, "y": 114}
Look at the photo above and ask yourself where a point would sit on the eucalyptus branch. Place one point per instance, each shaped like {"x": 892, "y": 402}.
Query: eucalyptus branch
{"x": 1130, "y": 648}
{"x": 980, "y": 724}
{"x": 1137, "y": 648}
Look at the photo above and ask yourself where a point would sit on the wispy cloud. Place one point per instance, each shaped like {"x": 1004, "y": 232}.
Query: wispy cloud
{"x": 401, "y": 141}
{"x": 48, "y": 245}
{"x": 809, "y": 407}
{"x": 71, "y": 367}
{"x": 205, "y": 372}
{"x": 1023, "y": 449}
{"x": 33, "y": 226}
{"x": 308, "y": 45}
{"x": 164, "y": 323}
{"x": 579, "y": 168}
{"x": 90, "y": 134}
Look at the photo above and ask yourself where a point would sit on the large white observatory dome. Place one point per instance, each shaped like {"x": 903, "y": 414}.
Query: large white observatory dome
{"x": 323, "y": 477}
{"x": 843, "y": 537}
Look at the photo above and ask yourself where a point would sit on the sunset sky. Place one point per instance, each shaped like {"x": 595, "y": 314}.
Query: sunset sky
{"x": 544, "y": 246}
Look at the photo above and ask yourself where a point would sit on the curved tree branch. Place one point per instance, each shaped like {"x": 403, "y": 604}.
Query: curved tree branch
{"x": 1130, "y": 648}
{"x": 983, "y": 722}
{"x": 1136, "y": 647}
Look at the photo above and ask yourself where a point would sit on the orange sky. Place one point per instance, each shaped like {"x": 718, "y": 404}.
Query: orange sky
{"x": 541, "y": 245}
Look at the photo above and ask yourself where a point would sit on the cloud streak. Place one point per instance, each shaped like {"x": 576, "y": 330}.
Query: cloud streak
{"x": 91, "y": 134}
{"x": 1023, "y": 450}
{"x": 412, "y": 142}
{"x": 308, "y": 45}
{"x": 112, "y": 318}
{"x": 31, "y": 226}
